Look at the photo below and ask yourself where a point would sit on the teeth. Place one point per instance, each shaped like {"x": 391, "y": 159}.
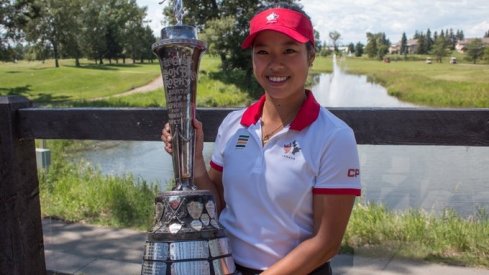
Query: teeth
{"x": 277, "y": 78}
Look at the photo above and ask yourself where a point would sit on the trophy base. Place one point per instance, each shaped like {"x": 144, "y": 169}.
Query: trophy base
{"x": 186, "y": 237}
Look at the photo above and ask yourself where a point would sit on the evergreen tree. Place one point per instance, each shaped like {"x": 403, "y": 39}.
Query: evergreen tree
{"x": 359, "y": 49}
{"x": 428, "y": 41}
{"x": 404, "y": 47}
{"x": 475, "y": 50}
{"x": 421, "y": 44}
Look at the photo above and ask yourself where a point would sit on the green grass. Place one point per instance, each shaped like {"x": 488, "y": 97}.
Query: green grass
{"x": 414, "y": 234}
{"x": 439, "y": 85}
{"x": 77, "y": 192}
{"x": 72, "y": 86}
{"x": 322, "y": 65}
{"x": 43, "y": 83}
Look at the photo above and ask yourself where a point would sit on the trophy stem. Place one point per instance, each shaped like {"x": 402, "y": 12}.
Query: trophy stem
{"x": 179, "y": 54}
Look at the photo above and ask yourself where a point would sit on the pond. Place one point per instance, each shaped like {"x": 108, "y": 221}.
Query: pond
{"x": 432, "y": 178}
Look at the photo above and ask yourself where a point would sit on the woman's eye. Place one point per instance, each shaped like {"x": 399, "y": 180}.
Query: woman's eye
{"x": 261, "y": 52}
{"x": 288, "y": 51}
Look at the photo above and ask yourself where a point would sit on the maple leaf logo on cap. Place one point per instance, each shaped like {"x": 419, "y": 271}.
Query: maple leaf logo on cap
{"x": 272, "y": 18}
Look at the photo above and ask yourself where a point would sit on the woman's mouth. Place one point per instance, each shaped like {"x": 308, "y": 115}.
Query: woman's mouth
{"x": 277, "y": 79}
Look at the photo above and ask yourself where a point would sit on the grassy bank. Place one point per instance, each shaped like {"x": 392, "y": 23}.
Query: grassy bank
{"x": 43, "y": 83}
{"x": 437, "y": 84}
{"x": 78, "y": 192}
{"x": 375, "y": 231}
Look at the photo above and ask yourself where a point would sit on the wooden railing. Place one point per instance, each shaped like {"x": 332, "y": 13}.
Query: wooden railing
{"x": 21, "y": 237}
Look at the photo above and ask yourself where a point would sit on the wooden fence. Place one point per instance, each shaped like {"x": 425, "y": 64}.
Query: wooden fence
{"x": 21, "y": 237}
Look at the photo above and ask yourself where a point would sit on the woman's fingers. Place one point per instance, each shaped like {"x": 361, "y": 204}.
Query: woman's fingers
{"x": 199, "y": 137}
{"x": 166, "y": 137}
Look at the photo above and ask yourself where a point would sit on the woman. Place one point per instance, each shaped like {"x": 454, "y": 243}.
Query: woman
{"x": 285, "y": 172}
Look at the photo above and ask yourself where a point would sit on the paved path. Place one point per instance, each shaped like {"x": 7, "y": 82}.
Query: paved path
{"x": 151, "y": 86}
{"x": 87, "y": 249}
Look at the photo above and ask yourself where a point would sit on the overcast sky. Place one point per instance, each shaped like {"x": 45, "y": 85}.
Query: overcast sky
{"x": 354, "y": 18}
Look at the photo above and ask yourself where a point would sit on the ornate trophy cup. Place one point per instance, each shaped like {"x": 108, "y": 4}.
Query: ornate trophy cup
{"x": 186, "y": 237}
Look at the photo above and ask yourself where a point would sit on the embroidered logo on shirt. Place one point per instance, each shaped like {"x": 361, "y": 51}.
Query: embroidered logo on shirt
{"x": 291, "y": 149}
{"x": 242, "y": 141}
{"x": 272, "y": 18}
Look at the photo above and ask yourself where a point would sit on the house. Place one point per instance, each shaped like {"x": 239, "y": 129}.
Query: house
{"x": 461, "y": 46}
{"x": 412, "y": 47}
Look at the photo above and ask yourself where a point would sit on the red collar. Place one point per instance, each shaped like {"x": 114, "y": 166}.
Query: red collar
{"x": 307, "y": 114}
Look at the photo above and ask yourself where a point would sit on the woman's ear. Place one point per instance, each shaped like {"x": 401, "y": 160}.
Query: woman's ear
{"x": 312, "y": 56}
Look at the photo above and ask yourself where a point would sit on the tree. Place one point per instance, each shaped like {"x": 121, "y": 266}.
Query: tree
{"x": 334, "y": 36}
{"x": 13, "y": 17}
{"x": 371, "y": 49}
{"x": 428, "y": 41}
{"x": 351, "y": 48}
{"x": 440, "y": 48}
{"x": 358, "y": 49}
{"x": 317, "y": 40}
{"x": 475, "y": 50}
{"x": 377, "y": 45}
{"x": 215, "y": 30}
{"x": 71, "y": 36}
{"x": 58, "y": 24}
{"x": 485, "y": 55}
{"x": 486, "y": 34}
{"x": 460, "y": 35}
{"x": 404, "y": 47}
{"x": 421, "y": 44}
{"x": 93, "y": 36}
{"x": 48, "y": 27}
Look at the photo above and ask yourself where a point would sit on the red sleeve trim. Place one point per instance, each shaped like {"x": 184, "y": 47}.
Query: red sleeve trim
{"x": 216, "y": 166}
{"x": 343, "y": 191}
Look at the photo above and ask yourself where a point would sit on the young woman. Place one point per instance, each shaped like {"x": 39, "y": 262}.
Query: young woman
{"x": 285, "y": 171}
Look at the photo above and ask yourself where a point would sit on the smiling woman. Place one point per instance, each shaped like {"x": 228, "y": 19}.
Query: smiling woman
{"x": 284, "y": 192}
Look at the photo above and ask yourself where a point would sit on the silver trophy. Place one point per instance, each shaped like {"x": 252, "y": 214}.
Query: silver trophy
{"x": 186, "y": 237}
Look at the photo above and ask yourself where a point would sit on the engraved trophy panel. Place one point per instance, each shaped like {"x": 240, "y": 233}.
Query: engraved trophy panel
{"x": 186, "y": 237}
{"x": 179, "y": 53}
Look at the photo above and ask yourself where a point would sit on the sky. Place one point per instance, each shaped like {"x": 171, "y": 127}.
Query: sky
{"x": 354, "y": 18}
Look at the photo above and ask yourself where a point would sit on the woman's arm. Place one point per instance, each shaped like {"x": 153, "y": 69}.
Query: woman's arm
{"x": 331, "y": 215}
{"x": 206, "y": 180}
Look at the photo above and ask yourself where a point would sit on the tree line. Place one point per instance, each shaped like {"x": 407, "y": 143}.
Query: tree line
{"x": 100, "y": 30}
{"x": 438, "y": 44}
{"x": 115, "y": 30}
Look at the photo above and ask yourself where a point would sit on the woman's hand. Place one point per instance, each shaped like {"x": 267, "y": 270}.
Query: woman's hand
{"x": 167, "y": 137}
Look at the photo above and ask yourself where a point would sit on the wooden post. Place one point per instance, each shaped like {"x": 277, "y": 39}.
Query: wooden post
{"x": 21, "y": 237}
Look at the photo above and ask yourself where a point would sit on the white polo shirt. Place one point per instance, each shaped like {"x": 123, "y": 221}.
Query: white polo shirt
{"x": 269, "y": 189}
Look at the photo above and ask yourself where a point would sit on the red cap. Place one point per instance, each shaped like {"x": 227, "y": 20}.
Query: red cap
{"x": 289, "y": 22}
